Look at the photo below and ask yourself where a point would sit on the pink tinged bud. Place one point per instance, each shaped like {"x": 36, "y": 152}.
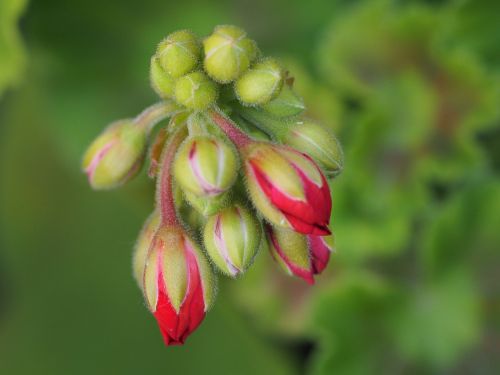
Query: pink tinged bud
{"x": 288, "y": 188}
{"x": 232, "y": 238}
{"x": 206, "y": 166}
{"x": 178, "y": 284}
{"x": 115, "y": 156}
{"x": 143, "y": 244}
{"x": 290, "y": 250}
{"x": 320, "y": 249}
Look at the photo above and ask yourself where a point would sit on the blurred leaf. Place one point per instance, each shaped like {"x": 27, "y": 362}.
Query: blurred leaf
{"x": 466, "y": 232}
{"x": 476, "y": 26}
{"x": 348, "y": 321}
{"x": 439, "y": 320}
{"x": 12, "y": 59}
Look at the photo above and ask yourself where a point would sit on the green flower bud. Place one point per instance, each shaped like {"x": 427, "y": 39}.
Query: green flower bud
{"x": 232, "y": 238}
{"x": 317, "y": 142}
{"x": 179, "y": 53}
{"x": 260, "y": 84}
{"x": 142, "y": 246}
{"x": 195, "y": 91}
{"x": 228, "y": 53}
{"x": 206, "y": 166}
{"x": 207, "y": 206}
{"x": 286, "y": 104}
{"x": 116, "y": 155}
{"x": 161, "y": 82}
{"x": 290, "y": 250}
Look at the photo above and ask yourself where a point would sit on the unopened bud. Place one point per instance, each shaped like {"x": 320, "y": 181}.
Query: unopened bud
{"x": 232, "y": 238}
{"x": 317, "y": 142}
{"x": 161, "y": 82}
{"x": 288, "y": 188}
{"x": 115, "y": 156}
{"x": 290, "y": 250}
{"x": 205, "y": 166}
{"x": 228, "y": 53}
{"x": 178, "y": 283}
{"x": 179, "y": 53}
{"x": 286, "y": 104}
{"x": 320, "y": 249}
{"x": 142, "y": 246}
{"x": 195, "y": 91}
{"x": 260, "y": 84}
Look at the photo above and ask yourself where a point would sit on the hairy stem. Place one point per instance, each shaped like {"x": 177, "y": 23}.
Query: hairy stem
{"x": 164, "y": 188}
{"x": 152, "y": 115}
{"x": 238, "y": 137}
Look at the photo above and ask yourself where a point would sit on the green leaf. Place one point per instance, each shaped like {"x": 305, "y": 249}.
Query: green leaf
{"x": 12, "y": 55}
{"x": 466, "y": 232}
{"x": 349, "y": 323}
{"x": 439, "y": 320}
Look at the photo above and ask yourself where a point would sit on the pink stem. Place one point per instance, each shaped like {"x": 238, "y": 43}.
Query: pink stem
{"x": 238, "y": 137}
{"x": 164, "y": 189}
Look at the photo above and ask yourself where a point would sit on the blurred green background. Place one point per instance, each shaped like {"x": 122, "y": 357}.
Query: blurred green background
{"x": 412, "y": 90}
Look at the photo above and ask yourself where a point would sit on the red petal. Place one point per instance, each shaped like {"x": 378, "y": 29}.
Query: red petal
{"x": 176, "y": 327}
{"x": 305, "y": 228}
{"x": 320, "y": 253}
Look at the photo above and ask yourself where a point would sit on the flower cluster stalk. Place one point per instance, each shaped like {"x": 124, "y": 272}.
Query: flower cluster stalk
{"x": 165, "y": 196}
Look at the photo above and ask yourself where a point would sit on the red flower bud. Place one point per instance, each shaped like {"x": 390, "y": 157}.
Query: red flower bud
{"x": 289, "y": 249}
{"x": 288, "y": 188}
{"x": 178, "y": 284}
{"x": 319, "y": 251}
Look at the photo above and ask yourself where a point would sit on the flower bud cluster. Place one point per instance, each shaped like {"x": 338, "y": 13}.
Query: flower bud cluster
{"x": 237, "y": 169}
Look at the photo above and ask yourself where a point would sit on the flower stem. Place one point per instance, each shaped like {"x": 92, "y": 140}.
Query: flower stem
{"x": 237, "y": 136}
{"x": 152, "y": 115}
{"x": 164, "y": 188}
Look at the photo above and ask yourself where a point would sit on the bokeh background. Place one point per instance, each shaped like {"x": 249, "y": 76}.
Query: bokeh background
{"x": 411, "y": 88}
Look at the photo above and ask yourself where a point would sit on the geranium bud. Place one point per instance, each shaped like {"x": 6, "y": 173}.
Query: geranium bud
{"x": 286, "y": 104}
{"x": 320, "y": 248}
{"x": 290, "y": 250}
{"x": 161, "y": 82}
{"x": 116, "y": 155}
{"x": 232, "y": 238}
{"x": 317, "y": 142}
{"x": 179, "y": 53}
{"x": 228, "y": 53}
{"x": 260, "y": 84}
{"x": 288, "y": 188}
{"x": 178, "y": 284}
{"x": 195, "y": 91}
{"x": 207, "y": 205}
{"x": 206, "y": 166}
{"x": 143, "y": 244}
